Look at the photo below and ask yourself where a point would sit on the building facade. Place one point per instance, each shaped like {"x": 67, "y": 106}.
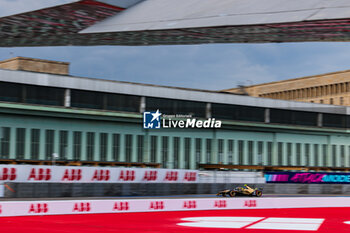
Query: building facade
{"x": 331, "y": 88}
{"x": 85, "y": 119}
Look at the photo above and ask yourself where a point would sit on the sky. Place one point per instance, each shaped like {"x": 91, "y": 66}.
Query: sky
{"x": 211, "y": 67}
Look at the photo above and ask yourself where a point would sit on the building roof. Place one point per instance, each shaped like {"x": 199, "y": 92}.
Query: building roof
{"x": 109, "y": 86}
{"x": 289, "y": 80}
{"x": 157, "y": 22}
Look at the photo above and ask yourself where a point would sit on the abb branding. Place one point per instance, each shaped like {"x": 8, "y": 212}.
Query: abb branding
{"x": 82, "y": 207}
{"x": 72, "y": 174}
{"x": 8, "y": 173}
{"x": 156, "y": 205}
{"x": 190, "y": 205}
{"x": 171, "y": 176}
{"x": 150, "y": 175}
{"x": 23, "y": 208}
{"x": 220, "y": 204}
{"x": 250, "y": 203}
{"x": 190, "y": 176}
{"x": 121, "y": 206}
{"x": 127, "y": 175}
{"x": 40, "y": 174}
{"x": 38, "y": 208}
{"x": 101, "y": 175}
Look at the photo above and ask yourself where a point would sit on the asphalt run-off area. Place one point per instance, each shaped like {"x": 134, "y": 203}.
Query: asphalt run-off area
{"x": 212, "y": 221}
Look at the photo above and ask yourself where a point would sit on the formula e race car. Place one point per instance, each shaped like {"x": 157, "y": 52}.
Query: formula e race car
{"x": 241, "y": 191}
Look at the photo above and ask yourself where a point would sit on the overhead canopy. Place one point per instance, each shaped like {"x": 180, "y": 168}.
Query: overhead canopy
{"x": 157, "y": 22}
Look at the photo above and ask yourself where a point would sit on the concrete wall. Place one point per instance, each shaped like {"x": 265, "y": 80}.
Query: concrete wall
{"x": 157, "y": 189}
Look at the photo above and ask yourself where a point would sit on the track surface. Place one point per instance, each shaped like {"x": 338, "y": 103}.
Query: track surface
{"x": 283, "y": 220}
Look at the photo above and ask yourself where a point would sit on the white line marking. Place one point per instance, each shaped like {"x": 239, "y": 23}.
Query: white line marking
{"x": 306, "y": 224}
{"x": 219, "y": 222}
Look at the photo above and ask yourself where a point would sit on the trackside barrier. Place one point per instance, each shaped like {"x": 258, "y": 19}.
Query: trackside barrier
{"x": 70, "y": 174}
{"x": 32, "y": 208}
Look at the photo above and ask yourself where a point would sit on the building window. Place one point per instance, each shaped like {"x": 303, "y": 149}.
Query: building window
{"x": 44, "y": 95}
{"x": 240, "y": 152}
{"x": 11, "y": 92}
{"x": 238, "y": 112}
{"x": 293, "y": 117}
{"x": 280, "y": 154}
{"x": 76, "y": 146}
{"x": 260, "y": 152}
{"x": 125, "y": 103}
{"x": 90, "y": 146}
{"x": 208, "y": 151}
{"x": 230, "y": 151}
{"x": 165, "y": 145}
{"x": 128, "y": 147}
{"x": 341, "y": 100}
{"x": 49, "y": 144}
{"x": 172, "y": 106}
{"x": 334, "y": 120}
{"x": 116, "y": 147}
{"x": 140, "y": 142}
{"x": 198, "y": 151}
{"x": 221, "y": 150}
{"x": 153, "y": 149}
{"x": 5, "y": 142}
{"x": 20, "y": 143}
{"x": 321, "y": 101}
{"x": 324, "y": 155}
{"x": 63, "y": 144}
{"x": 307, "y": 155}
{"x": 187, "y": 152}
{"x": 103, "y": 146}
{"x": 176, "y": 151}
{"x": 334, "y": 152}
{"x": 298, "y": 154}
{"x": 316, "y": 155}
{"x": 250, "y": 152}
{"x": 342, "y": 156}
{"x": 289, "y": 154}
{"x": 331, "y": 101}
{"x": 269, "y": 153}
{"x": 35, "y": 143}
{"x": 87, "y": 99}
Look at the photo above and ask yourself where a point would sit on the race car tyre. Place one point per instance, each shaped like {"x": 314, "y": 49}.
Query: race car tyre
{"x": 232, "y": 193}
{"x": 258, "y": 193}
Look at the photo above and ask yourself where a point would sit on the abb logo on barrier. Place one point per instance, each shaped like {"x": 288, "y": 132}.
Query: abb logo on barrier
{"x": 127, "y": 175}
{"x": 72, "y": 175}
{"x": 150, "y": 175}
{"x": 38, "y": 208}
{"x": 220, "y": 204}
{"x": 250, "y": 203}
{"x": 82, "y": 207}
{"x": 40, "y": 174}
{"x": 189, "y": 205}
{"x": 101, "y": 175}
{"x": 121, "y": 205}
{"x": 156, "y": 205}
{"x": 8, "y": 174}
{"x": 190, "y": 176}
{"x": 171, "y": 176}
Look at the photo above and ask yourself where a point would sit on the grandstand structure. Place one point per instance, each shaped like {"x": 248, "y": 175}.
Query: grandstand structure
{"x": 46, "y": 113}
{"x": 168, "y": 22}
